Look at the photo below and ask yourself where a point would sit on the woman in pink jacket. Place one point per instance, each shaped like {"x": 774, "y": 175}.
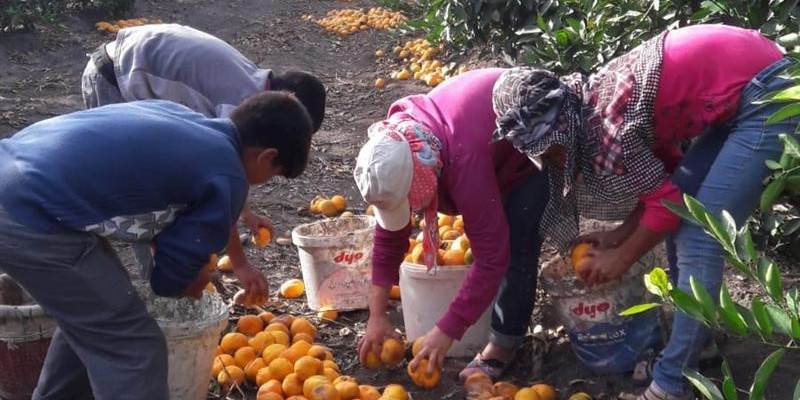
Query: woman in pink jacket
{"x": 616, "y": 135}
{"x": 434, "y": 153}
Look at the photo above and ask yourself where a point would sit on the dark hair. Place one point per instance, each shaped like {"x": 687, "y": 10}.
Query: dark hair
{"x": 276, "y": 120}
{"x": 308, "y": 89}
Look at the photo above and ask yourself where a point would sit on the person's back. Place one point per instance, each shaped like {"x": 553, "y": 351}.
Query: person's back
{"x": 184, "y": 65}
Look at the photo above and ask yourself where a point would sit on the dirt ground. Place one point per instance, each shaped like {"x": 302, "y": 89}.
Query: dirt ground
{"x": 40, "y": 77}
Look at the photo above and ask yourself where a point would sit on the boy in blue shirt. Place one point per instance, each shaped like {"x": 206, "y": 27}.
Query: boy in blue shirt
{"x": 147, "y": 171}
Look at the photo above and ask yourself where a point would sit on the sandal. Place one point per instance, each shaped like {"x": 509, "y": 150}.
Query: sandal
{"x": 491, "y": 367}
{"x": 655, "y": 392}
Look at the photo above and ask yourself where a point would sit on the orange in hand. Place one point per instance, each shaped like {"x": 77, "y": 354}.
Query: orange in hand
{"x": 579, "y": 256}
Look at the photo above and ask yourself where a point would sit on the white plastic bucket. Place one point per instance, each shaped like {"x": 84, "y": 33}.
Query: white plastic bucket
{"x": 336, "y": 259}
{"x": 427, "y": 296}
{"x": 192, "y": 329}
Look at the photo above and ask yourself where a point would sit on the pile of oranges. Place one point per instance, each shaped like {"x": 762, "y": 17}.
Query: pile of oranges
{"x": 455, "y": 247}
{"x": 480, "y": 387}
{"x": 345, "y": 22}
{"x": 279, "y": 355}
{"x": 115, "y": 26}
{"x": 328, "y": 207}
{"x": 420, "y": 62}
{"x": 392, "y": 353}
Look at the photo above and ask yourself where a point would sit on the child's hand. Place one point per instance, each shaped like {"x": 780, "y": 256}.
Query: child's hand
{"x": 254, "y": 221}
{"x": 252, "y": 280}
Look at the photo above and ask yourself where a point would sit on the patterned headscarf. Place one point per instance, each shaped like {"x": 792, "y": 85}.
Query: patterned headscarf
{"x": 604, "y": 124}
{"x": 423, "y": 195}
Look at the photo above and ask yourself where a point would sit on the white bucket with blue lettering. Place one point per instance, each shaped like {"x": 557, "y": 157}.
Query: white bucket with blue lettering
{"x": 604, "y": 341}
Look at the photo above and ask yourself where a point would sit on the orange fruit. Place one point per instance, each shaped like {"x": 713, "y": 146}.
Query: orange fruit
{"x": 417, "y": 254}
{"x": 292, "y": 355}
{"x": 213, "y": 259}
{"x": 285, "y": 319}
{"x": 301, "y": 346}
{"x": 272, "y": 352}
{"x": 526, "y": 394}
{"x": 266, "y": 316}
{"x": 327, "y": 208}
{"x": 370, "y": 210}
{"x": 504, "y": 389}
{"x": 218, "y": 351}
{"x": 292, "y": 385}
{"x": 221, "y": 361}
{"x": 307, "y": 366}
{"x": 440, "y": 256}
{"x": 225, "y": 264}
{"x": 579, "y": 257}
{"x": 280, "y": 337}
{"x": 454, "y": 257}
{"x": 302, "y": 325}
{"x": 420, "y": 375}
{"x": 346, "y": 214}
{"x": 580, "y": 396}
{"x": 252, "y": 368}
{"x": 367, "y": 392}
{"x": 417, "y": 346}
{"x": 545, "y": 392}
{"x": 230, "y": 376}
{"x": 392, "y": 351}
{"x": 261, "y": 340}
{"x": 394, "y": 293}
{"x": 292, "y": 289}
{"x": 262, "y": 237}
{"x": 348, "y": 390}
{"x": 233, "y": 341}
{"x": 244, "y": 355}
{"x": 331, "y": 364}
{"x": 311, "y": 383}
{"x": 380, "y": 83}
{"x": 458, "y": 224}
{"x": 315, "y": 202}
{"x": 479, "y": 383}
{"x": 396, "y": 392}
{"x": 276, "y": 326}
{"x": 303, "y": 337}
{"x": 450, "y": 234}
{"x": 318, "y": 351}
{"x": 297, "y": 398}
{"x": 273, "y": 386}
{"x": 339, "y": 202}
{"x": 324, "y": 392}
{"x": 330, "y": 373}
{"x": 344, "y": 378}
{"x": 468, "y": 259}
{"x": 328, "y": 313}
{"x": 250, "y": 325}
{"x": 372, "y": 361}
{"x": 460, "y": 243}
{"x": 263, "y": 376}
{"x": 279, "y": 368}
{"x": 445, "y": 220}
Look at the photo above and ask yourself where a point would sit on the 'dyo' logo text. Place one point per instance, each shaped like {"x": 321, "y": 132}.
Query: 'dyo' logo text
{"x": 348, "y": 258}
{"x": 590, "y": 310}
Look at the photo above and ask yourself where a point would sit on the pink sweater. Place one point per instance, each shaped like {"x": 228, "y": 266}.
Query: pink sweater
{"x": 704, "y": 71}
{"x": 476, "y": 175}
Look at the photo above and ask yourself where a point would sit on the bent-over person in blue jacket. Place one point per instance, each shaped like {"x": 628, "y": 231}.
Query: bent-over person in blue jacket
{"x": 146, "y": 171}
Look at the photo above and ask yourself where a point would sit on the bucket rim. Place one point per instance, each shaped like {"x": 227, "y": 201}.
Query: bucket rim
{"x": 297, "y": 235}
{"x": 32, "y": 310}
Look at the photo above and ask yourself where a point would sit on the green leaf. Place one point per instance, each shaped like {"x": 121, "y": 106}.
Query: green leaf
{"x": 771, "y": 193}
{"x": 789, "y": 94}
{"x": 762, "y": 318}
{"x": 703, "y": 298}
{"x": 795, "y": 327}
{"x": 728, "y": 385}
{"x": 785, "y": 112}
{"x": 688, "y": 305}
{"x": 746, "y": 247}
{"x": 797, "y": 390}
{"x": 774, "y": 165}
{"x": 729, "y": 314}
{"x": 790, "y": 144}
{"x": 792, "y": 301}
{"x": 679, "y": 210}
{"x": 657, "y": 282}
{"x": 703, "y": 385}
{"x": 639, "y": 308}
{"x": 780, "y": 320}
{"x": 773, "y": 282}
{"x": 764, "y": 264}
{"x": 720, "y": 233}
{"x": 749, "y": 319}
{"x": 696, "y": 209}
{"x": 764, "y": 372}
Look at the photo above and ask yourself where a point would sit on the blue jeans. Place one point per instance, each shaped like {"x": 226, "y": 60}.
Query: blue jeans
{"x": 511, "y": 311}
{"x": 734, "y": 182}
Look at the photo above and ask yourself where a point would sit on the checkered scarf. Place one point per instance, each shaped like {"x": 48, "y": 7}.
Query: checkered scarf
{"x": 604, "y": 124}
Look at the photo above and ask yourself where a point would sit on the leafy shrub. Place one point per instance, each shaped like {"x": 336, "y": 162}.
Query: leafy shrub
{"x": 22, "y": 14}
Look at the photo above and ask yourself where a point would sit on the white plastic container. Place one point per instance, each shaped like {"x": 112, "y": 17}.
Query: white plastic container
{"x": 426, "y": 297}
{"x": 192, "y": 329}
{"x": 336, "y": 260}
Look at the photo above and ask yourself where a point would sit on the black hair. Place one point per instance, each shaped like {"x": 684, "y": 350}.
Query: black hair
{"x": 277, "y": 120}
{"x": 308, "y": 89}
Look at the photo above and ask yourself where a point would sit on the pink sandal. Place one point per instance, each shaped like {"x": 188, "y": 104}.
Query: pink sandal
{"x": 491, "y": 367}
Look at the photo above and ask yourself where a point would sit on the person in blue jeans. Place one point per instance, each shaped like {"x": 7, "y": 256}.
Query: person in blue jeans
{"x": 148, "y": 171}
{"x": 616, "y": 134}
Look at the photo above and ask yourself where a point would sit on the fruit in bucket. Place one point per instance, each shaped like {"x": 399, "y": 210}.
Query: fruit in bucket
{"x": 579, "y": 256}
{"x": 545, "y": 392}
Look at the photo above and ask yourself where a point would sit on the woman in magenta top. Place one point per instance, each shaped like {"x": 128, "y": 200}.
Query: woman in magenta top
{"x": 434, "y": 153}
{"x": 696, "y": 82}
